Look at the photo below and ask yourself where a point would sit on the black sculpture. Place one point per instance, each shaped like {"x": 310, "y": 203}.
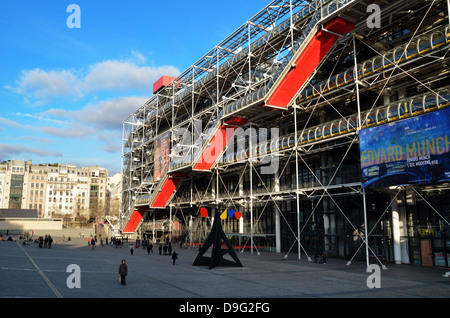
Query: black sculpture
{"x": 215, "y": 238}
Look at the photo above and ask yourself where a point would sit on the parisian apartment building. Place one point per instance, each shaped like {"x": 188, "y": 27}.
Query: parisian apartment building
{"x": 59, "y": 190}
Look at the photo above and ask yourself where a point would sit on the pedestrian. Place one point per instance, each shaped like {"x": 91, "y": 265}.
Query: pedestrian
{"x": 148, "y": 249}
{"x": 50, "y": 241}
{"x": 174, "y": 257}
{"x": 93, "y": 244}
{"x": 151, "y": 247}
{"x": 123, "y": 271}
{"x": 169, "y": 248}
{"x": 324, "y": 258}
{"x": 131, "y": 249}
{"x": 160, "y": 248}
{"x": 165, "y": 249}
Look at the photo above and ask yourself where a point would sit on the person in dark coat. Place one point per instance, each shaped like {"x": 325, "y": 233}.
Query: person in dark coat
{"x": 123, "y": 272}
{"x": 174, "y": 257}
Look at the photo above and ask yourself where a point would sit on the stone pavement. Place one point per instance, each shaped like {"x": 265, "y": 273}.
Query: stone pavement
{"x": 32, "y": 272}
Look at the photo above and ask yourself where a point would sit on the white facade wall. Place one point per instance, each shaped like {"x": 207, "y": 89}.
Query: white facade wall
{"x": 56, "y": 190}
{"x": 22, "y": 224}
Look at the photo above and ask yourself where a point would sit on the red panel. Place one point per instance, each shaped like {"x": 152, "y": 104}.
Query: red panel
{"x": 339, "y": 25}
{"x": 215, "y": 148}
{"x": 134, "y": 221}
{"x": 238, "y": 121}
{"x": 162, "y": 82}
{"x": 167, "y": 190}
{"x": 307, "y": 62}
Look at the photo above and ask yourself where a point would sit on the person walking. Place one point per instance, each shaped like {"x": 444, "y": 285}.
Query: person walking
{"x": 160, "y": 248}
{"x": 174, "y": 257}
{"x": 123, "y": 272}
{"x": 131, "y": 249}
{"x": 50, "y": 241}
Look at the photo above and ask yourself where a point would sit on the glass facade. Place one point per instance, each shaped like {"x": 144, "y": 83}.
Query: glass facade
{"x": 16, "y": 190}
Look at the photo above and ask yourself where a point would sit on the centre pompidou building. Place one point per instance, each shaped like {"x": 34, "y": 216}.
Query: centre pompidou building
{"x": 317, "y": 126}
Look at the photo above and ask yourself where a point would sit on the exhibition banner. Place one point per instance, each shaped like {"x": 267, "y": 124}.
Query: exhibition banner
{"x": 161, "y": 155}
{"x": 409, "y": 151}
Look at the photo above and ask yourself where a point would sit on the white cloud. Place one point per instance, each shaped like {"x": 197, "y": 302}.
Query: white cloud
{"x": 75, "y": 131}
{"x": 55, "y": 112}
{"x": 109, "y": 114}
{"x": 8, "y": 122}
{"x": 116, "y": 75}
{"x": 12, "y": 151}
{"x": 101, "y": 121}
{"x": 44, "y": 117}
{"x": 139, "y": 57}
{"x": 38, "y": 139}
{"x": 42, "y": 87}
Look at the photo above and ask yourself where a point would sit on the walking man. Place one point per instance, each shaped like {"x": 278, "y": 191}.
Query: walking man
{"x": 123, "y": 271}
{"x": 174, "y": 257}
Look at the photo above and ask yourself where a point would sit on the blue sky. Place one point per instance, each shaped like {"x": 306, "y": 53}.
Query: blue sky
{"x": 65, "y": 91}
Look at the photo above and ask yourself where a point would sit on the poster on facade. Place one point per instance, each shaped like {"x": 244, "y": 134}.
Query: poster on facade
{"x": 409, "y": 151}
{"x": 161, "y": 155}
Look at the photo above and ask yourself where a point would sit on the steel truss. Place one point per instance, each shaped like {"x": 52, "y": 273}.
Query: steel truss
{"x": 234, "y": 78}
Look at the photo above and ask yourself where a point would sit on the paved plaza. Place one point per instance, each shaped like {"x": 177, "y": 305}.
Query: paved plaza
{"x": 33, "y": 272}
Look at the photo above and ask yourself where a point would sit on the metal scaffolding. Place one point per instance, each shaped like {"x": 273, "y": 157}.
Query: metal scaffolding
{"x": 370, "y": 77}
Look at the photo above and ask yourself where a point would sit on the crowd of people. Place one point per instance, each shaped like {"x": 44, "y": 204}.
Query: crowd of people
{"x": 164, "y": 248}
{"x": 44, "y": 242}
